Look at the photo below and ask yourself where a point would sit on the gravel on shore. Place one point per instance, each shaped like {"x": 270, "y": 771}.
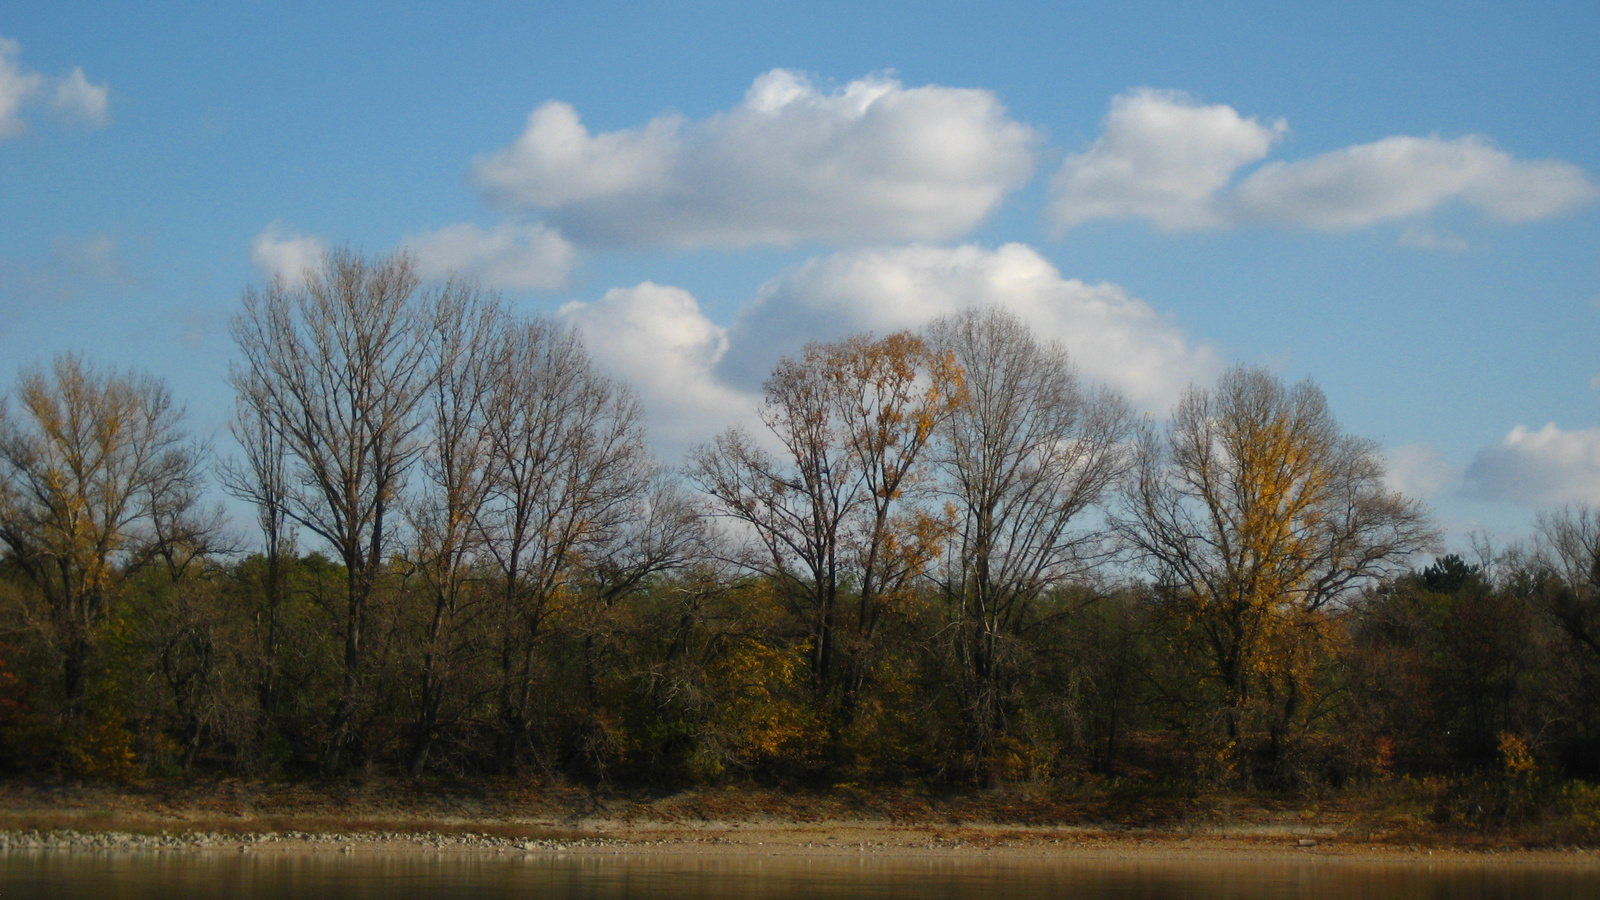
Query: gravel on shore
{"x": 837, "y": 839}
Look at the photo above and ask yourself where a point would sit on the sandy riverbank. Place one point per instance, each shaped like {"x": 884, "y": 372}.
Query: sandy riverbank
{"x": 836, "y": 840}
{"x": 517, "y": 820}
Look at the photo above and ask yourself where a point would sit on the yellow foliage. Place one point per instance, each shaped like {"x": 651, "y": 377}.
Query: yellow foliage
{"x": 1383, "y": 758}
{"x": 760, "y": 715}
{"x": 1515, "y": 755}
{"x": 106, "y": 750}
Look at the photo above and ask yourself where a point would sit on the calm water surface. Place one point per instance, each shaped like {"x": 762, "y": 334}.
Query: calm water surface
{"x": 714, "y": 878}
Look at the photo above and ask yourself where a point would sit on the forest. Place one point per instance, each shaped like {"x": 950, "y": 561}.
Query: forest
{"x": 943, "y": 558}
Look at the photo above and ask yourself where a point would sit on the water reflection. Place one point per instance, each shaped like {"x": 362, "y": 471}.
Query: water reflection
{"x": 266, "y": 875}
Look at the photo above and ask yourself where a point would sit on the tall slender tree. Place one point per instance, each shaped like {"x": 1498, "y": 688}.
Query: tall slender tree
{"x": 569, "y": 472}
{"x": 1028, "y": 451}
{"x": 339, "y": 364}
{"x": 446, "y": 547}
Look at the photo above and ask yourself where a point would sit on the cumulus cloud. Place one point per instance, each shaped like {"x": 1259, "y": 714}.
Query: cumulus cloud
{"x": 655, "y": 338}
{"x": 1111, "y": 336}
{"x": 287, "y": 255}
{"x": 1162, "y": 157}
{"x": 872, "y": 161}
{"x": 1402, "y": 177}
{"x": 1167, "y": 159}
{"x": 512, "y": 255}
{"x": 697, "y": 377}
{"x": 1418, "y": 470}
{"x": 1547, "y": 467}
{"x": 73, "y": 97}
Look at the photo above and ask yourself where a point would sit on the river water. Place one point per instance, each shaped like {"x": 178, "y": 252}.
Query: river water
{"x": 176, "y": 875}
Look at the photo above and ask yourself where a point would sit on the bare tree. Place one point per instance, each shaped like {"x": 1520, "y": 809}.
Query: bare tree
{"x": 95, "y": 466}
{"x": 1567, "y": 546}
{"x": 568, "y": 472}
{"x": 1026, "y": 453}
{"x": 446, "y": 550}
{"x": 262, "y": 480}
{"x": 340, "y": 366}
{"x": 1256, "y": 513}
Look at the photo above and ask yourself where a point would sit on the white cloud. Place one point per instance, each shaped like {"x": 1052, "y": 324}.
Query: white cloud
{"x": 871, "y": 161}
{"x": 697, "y": 377}
{"x": 512, "y": 255}
{"x": 1403, "y": 177}
{"x": 1161, "y": 157}
{"x": 656, "y": 339}
{"x": 1418, "y": 470}
{"x": 1110, "y": 335}
{"x": 1169, "y": 160}
{"x": 1547, "y": 467}
{"x": 556, "y": 162}
{"x": 73, "y": 97}
{"x": 16, "y": 87}
{"x": 286, "y": 255}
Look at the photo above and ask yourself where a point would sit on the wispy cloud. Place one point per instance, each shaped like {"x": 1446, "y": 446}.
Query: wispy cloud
{"x": 512, "y": 255}
{"x": 72, "y": 97}
{"x": 1424, "y": 237}
{"x": 72, "y": 268}
{"x": 76, "y": 99}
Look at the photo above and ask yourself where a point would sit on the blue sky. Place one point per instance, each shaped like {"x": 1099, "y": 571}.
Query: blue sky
{"x": 1400, "y": 203}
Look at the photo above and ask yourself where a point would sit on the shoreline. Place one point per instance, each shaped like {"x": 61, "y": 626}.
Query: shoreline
{"x": 838, "y": 842}
{"x": 517, "y": 820}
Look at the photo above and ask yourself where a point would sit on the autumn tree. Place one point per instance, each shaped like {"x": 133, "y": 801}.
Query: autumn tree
{"x": 1257, "y": 516}
{"x": 1028, "y": 450}
{"x": 97, "y": 481}
{"x": 337, "y": 366}
{"x": 829, "y": 511}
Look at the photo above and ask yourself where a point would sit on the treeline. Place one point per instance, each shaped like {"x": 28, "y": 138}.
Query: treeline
{"x": 943, "y": 558}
